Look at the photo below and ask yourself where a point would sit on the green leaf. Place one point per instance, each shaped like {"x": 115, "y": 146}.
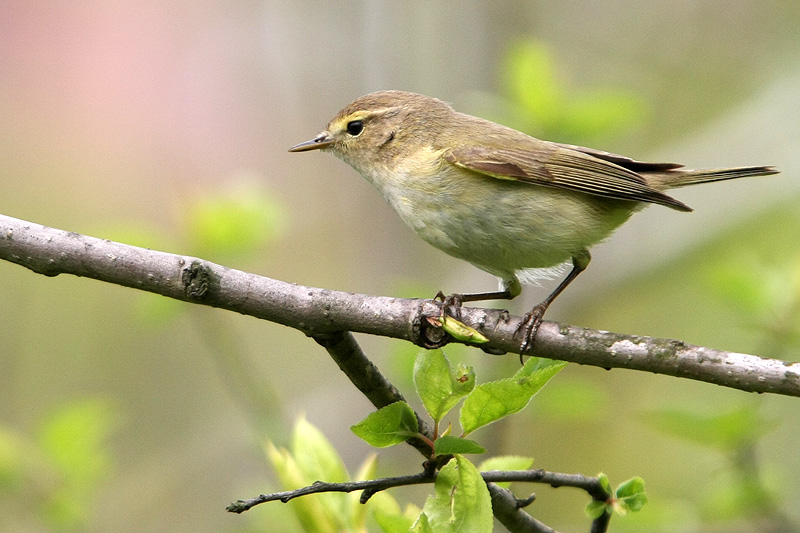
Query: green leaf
{"x": 458, "y": 330}
{"x": 631, "y": 495}
{"x": 422, "y": 525}
{"x": 633, "y": 486}
{"x": 540, "y": 369}
{"x": 387, "y": 514}
{"x": 595, "y": 509}
{"x": 393, "y": 523}
{"x": 388, "y": 426}
{"x": 493, "y": 400}
{"x": 506, "y": 462}
{"x": 450, "y": 445}
{"x": 490, "y": 402}
{"x": 358, "y": 511}
{"x": 604, "y": 482}
{"x": 461, "y": 501}
{"x": 315, "y": 455}
{"x": 439, "y": 385}
{"x": 311, "y": 512}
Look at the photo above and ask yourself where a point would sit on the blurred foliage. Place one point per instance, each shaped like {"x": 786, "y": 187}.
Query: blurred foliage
{"x": 310, "y": 458}
{"x": 766, "y": 293}
{"x": 505, "y": 462}
{"x": 460, "y": 499}
{"x": 726, "y": 432}
{"x": 234, "y": 224}
{"x": 574, "y": 399}
{"x": 747, "y": 279}
{"x": 230, "y": 226}
{"x": 534, "y": 100}
{"x": 59, "y": 471}
{"x": 738, "y": 491}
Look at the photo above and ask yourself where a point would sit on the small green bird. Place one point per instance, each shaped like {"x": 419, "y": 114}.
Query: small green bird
{"x": 494, "y": 196}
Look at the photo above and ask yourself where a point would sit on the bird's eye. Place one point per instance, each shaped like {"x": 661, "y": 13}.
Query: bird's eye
{"x": 355, "y": 127}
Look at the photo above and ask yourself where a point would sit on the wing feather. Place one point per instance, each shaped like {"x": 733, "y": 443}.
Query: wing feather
{"x": 562, "y": 167}
{"x": 621, "y": 160}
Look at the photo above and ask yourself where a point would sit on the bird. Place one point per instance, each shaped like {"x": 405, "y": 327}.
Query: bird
{"x": 502, "y": 200}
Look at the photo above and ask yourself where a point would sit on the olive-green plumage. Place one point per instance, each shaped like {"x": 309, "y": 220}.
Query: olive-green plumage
{"x": 496, "y": 197}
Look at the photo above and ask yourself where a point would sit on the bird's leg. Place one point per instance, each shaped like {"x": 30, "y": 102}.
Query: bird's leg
{"x": 532, "y": 320}
{"x": 511, "y": 288}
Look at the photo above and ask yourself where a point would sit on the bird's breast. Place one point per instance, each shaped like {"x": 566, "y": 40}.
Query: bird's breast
{"x": 498, "y": 225}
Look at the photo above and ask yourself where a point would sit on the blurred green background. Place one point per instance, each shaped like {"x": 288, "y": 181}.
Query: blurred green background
{"x": 166, "y": 125}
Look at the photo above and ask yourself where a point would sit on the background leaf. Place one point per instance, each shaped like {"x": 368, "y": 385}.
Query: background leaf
{"x": 724, "y": 431}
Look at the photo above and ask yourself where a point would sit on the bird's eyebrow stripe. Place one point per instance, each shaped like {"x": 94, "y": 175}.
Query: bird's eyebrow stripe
{"x": 362, "y": 115}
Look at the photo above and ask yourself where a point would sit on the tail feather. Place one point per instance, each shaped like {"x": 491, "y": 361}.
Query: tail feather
{"x": 683, "y": 178}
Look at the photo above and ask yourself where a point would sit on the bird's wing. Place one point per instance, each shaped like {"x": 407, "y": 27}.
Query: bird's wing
{"x": 621, "y": 160}
{"x": 559, "y": 166}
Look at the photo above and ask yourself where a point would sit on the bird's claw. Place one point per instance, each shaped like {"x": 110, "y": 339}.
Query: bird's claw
{"x": 451, "y": 304}
{"x": 528, "y": 328}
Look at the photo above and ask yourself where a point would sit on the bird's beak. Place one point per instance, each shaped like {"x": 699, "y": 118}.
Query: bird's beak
{"x": 322, "y": 140}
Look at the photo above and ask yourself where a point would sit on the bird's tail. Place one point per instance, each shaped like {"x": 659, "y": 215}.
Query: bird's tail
{"x": 682, "y": 178}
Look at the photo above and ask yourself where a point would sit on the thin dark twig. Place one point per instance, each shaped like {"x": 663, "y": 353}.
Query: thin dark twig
{"x": 373, "y": 486}
{"x": 555, "y": 479}
{"x": 502, "y": 499}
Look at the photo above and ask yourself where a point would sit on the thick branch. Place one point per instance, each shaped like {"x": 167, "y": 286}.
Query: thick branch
{"x": 318, "y": 312}
{"x": 363, "y": 373}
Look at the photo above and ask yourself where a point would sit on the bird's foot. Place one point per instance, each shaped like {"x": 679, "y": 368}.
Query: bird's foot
{"x": 528, "y": 328}
{"x": 451, "y": 304}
